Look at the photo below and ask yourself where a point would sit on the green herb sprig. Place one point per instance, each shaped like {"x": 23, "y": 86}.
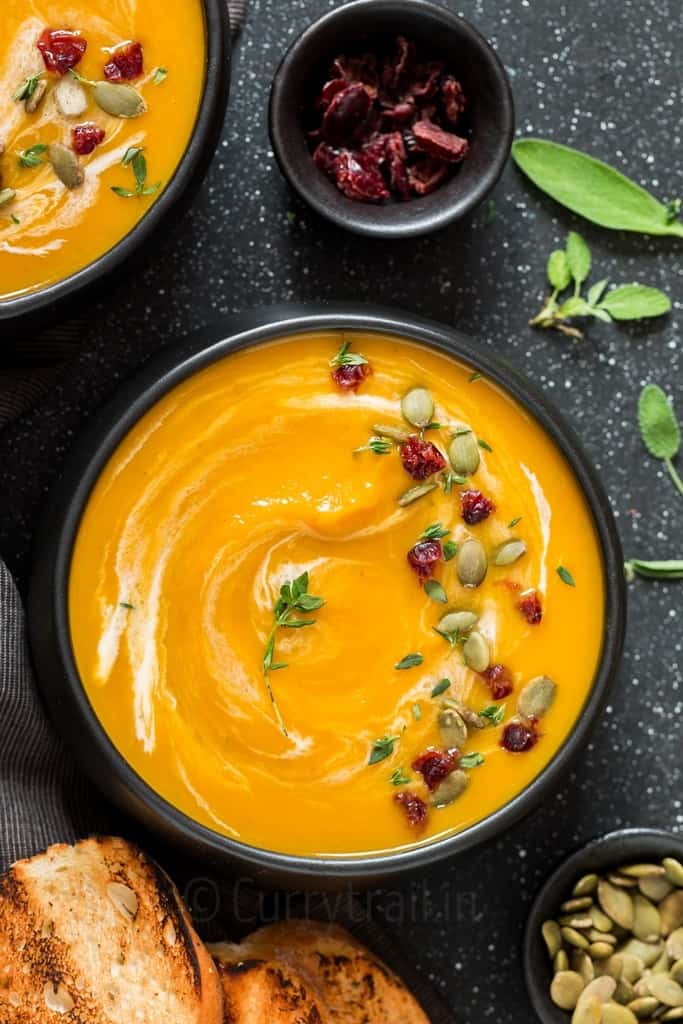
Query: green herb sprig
{"x": 160, "y": 75}
{"x": 493, "y": 713}
{"x": 382, "y": 748}
{"x": 32, "y": 157}
{"x": 399, "y": 778}
{"x": 135, "y": 157}
{"x": 345, "y": 357}
{"x": 565, "y": 576}
{"x": 595, "y": 190}
{"x": 659, "y": 429}
{"x": 409, "y": 661}
{"x": 294, "y": 597}
{"x": 473, "y": 760}
{"x": 378, "y": 445}
{"x": 28, "y": 87}
{"x": 570, "y": 267}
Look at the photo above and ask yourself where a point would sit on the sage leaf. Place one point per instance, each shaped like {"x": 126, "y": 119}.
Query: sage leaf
{"x": 559, "y": 274}
{"x": 658, "y": 425}
{"x": 578, "y": 259}
{"x": 659, "y": 429}
{"x": 593, "y": 189}
{"x": 671, "y": 569}
{"x": 635, "y": 302}
{"x": 595, "y": 291}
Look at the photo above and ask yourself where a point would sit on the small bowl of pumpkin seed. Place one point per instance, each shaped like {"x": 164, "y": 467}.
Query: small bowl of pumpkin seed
{"x": 604, "y": 938}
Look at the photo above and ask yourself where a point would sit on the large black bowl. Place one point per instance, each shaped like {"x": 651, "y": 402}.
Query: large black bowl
{"x": 48, "y": 608}
{"x": 48, "y": 303}
{"x": 439, "y": 33}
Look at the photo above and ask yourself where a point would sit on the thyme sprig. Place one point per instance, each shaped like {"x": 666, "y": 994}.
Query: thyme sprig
{"x": 294, "y": 597}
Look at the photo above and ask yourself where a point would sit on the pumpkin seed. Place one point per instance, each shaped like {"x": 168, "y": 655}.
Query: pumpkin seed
{"x": 643, "y": 1007}
{"x": 588, "y": 1011}
{"x": 674, "y": 944}
{"x": 600, "y": 950}
{"x": 453, "y": 786}
{"x": 601, "y": 921}
{"x": 509, "y": 552}
{"x": 560, "y": 961}
{"x": 613, "y": 1013}
{"x": 457, "y": 622}
{"x": 676, "y": 971}
{"x": 70, "y": 97}
{"x": 586, "y": 885}
{"x": 602, "y": 989}
{"x": 665, "y": 990}
{"x": 642, "y": 870}
{"x": 452, "y": 728}
{"x": 632, "y": 966}
{"x": 646, "y": 921}
{"x": 661, "y": 964}
{"x": 622, "y": 881}
{"x": 476, "y": 652}
{"x": 582, "y": 963}
{"x": 32, "y": 102}
{"x": 655, "y": 888}
{"x": 614, "y": 966}
{"x": 565, "y": 989}
{"x": 471, "y": 563}
{"x": 640, "y": 988}
{"x": 574, "y": 938}
{"x": 674, "y": 1014}
{"x": 535, "y": 699}
{"x": 671, "y": 912}
{"x": 7, "y": 195}
{"x": 413, "y": 493}
{"x": 66, "y": 165}
{"x": 469, "y": 717}
{"x": 576, "y": 921}
{"x": 674, "y": 871}
{"x": 119, "y": 100}
{"x": 647, "y": 952}
{"x": 577, "y": 902}
{"x": 624, "y": 992}
{"x": 595, "y": 936}
{"x": 394, "y": 433}
{"x": 616, "y": 903}
{"x": 464, "y": 454}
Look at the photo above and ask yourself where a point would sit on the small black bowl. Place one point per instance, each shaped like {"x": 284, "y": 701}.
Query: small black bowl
{"x": 55, "y": 300}
{"x": 439, "y": 33}
{"x": 48, "y": 618}
{"x": 609, "y": 851}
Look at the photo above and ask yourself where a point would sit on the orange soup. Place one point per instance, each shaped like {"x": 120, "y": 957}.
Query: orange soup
{"x": 337, "y": 594}
{"x": 82, "y": 158}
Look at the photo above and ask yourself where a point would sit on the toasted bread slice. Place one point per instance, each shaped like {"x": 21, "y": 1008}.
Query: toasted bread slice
{"x": 263, "y": 991}
{"x": 96, "y": 933}
{"x": 356, "y": 987}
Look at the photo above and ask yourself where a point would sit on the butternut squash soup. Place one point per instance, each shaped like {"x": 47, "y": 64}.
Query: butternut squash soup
{"x": 98, "y": 101}
{"x": 337, "y": 594}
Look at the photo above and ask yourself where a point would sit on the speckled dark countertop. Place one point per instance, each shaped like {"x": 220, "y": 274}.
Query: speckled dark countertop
{"x": 606, "y": 77}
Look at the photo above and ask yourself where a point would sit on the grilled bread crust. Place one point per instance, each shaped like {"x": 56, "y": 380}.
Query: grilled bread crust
{"x": 96, "y": 933}
{"x": 355, "y": 986}
{"x": 263, "y": 991}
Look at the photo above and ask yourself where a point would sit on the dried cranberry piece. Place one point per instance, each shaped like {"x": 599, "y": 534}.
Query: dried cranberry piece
{"x": 358, "y": 69}
{"x": 126, "y": 63}
{"x": 519, "y": 736}
{"x": 435, "y": 141}
{"x": 426, "y": 80}
{"x": 475, "y": 507}
{"x": 530, "y": 606}
{"x": 426, "y": 174}
{"x": 359, "y": 176}
{"x": 349, "y": 378}
{"x": 376, "y": 147}
{"x": 346, "y": 115}
{"x": 325, "y": 157}
{"x": 414, "y": 807}
{"x": 401, "y": 66}
{"x": 61, "y": 49}
{"x": 424, "y": 556}
{"x": 453, "y": 98}
{"x": 421, "y": 458}
{"x": 435, "y": 765}
{"x": 397, "y": 113}
{"x": 396, "y": 159}
{"x": 499, "y": 681}
{"x": 86, "y": 137}
{"x": 330, "y": 90}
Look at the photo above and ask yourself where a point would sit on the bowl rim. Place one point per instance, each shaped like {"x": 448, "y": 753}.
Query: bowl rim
{"x": 203, "y": 139}
{"x": 48, "y": 618}
{"x": 348, "y": 216}
{"x": 610, "y": 849}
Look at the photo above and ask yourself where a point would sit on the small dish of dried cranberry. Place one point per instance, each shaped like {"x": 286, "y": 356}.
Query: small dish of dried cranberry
{"x": 391, "y": 117}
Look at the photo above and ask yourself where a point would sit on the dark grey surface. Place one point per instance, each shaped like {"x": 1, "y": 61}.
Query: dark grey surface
{"x": 600, "y": 75}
